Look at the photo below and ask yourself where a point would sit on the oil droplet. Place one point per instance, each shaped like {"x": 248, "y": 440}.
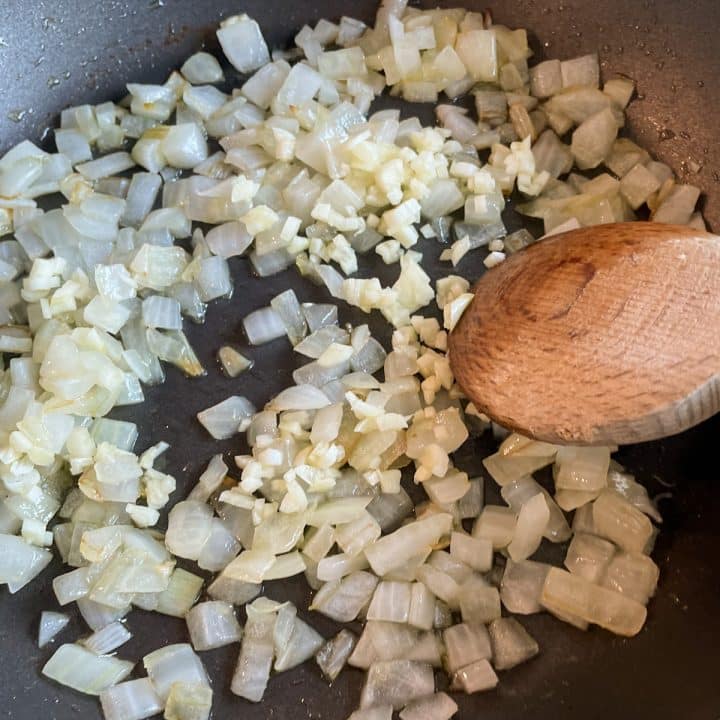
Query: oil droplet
{"x": 666, "y": 134}
{"x": 16, "y": 115}
{"x": 547, "y": 44}
{"x": 700, "y": 83}
{"x": 52, "y": 81}
{"x": 620, "y": 50}
{"x": 3, "y": 43}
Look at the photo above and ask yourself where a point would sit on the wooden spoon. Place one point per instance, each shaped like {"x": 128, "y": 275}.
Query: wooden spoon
{"x": 604, "y": 335}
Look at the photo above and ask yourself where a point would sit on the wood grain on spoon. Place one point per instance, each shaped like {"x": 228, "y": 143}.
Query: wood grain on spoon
{"x": 603, "y": 335}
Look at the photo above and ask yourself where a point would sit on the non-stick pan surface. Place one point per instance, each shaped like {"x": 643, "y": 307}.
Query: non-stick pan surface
{"x": 64, "y": 52}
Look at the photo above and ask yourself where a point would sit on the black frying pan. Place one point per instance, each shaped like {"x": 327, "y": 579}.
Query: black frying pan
{"x": 54, "y": 54}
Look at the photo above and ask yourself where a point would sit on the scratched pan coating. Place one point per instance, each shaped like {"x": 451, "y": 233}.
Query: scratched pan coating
{"x": 54, "y": 54}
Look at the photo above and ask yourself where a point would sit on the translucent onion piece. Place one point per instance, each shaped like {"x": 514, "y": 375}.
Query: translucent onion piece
{"x": 223, "y": 420}
{"x": 436, "y": 707}
{"x": 263, "y": 325}
{"x": 221, "y": 547}
{"x": 520, "y": 491}
{"x": 230, "y": 590}
{"x": 390, "y": 602}
{"x": 97, "y": 616}
{"x": 181, "y": 593}
{"x": 319, "y": 315}
{"x": 422, "y": 607}
{"x": 299, "y": 397}
{"x": 202, "y": 68}
{"x": 287, "y": 307}
{"x": 616, "y": 519}
{"x": 465, "y": 644}
{"x": 189, "y": 527}
{"x": 377, "y": 712}
{"x": 589, "y": 556}
{"x": 51, "y": 624}
{"x": 522, "y": 585}
{"x": 393, "y": 550}
{"x": 583, "y": 469}
{"x": 243, "y": 43}
{"x": 396, "y": 683}
{"x": 531, "y": 524}
{"x": 496, "y": 524}
{"x": 568, "y": 594}
{"x": 110, "y": 638}
{"x": 233, "y": 362}
{"x": 189, "y": 701}
{"x": 303, "y": 643}
{"x": 82, "y": 670}
{"x": 632, "y": 574}
{"x": 343, "y": 599}
{"x": 479, "y": 603}
{"x": 20, "y": 562}
{"x": 477, "y": 677}
{"x": 212, "y": 625}
{"x": 511, "y": 643}
{"x": 333, "y": 655}
{"x": 174, "y": 664}
{"x": 256, "y": 656}
{"x": 229, "y": 239}
{"x": 477, "y": 553}
{"x": 131, "y": 700}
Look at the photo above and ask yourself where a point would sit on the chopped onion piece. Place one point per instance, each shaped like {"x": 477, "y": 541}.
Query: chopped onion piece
{"x": 439, "y": 706}
{"x": 263, "y": 325}
{"x": 223, "y": 420}
{"x": 392, "y": 550}
{"x": 189, "y": 700}
{"x": 181, "y": 593}
{"x": 131, "y": 700}
{"x": 256, "y": 653}
{"x": 522, "y": 585}
{"x": 333, "y": 655}
{"x": 51, "y": 624}
{"x": 390, "y": 602}
{"x": 212, "y": 625}
{"x": 174, "y": 664}
{"x": 202, "y": 68}
{"x": 566, "y": 593}
{"x": 632, "y": 574}
{"x": 108, "y": 639}
{"x": 617, "y": 520}
{"x": 511, "y": 643}
{"x": 396, "y": 683}
{"x": 243, "y": 44}
{"x": 343, "y": 599}
{"x": 82, "y": 670}
{"x": 531, "y": 524}
{"x": 466, "y": 644}
{"x": 477, "y": 677}
{"x": 376, "y": 712}
{"x": 589, "y": 556}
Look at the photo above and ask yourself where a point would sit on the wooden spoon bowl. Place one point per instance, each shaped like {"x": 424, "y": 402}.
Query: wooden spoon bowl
{"x": 604, "y": 335}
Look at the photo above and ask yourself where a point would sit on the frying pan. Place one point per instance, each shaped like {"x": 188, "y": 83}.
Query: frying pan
{"x": 66, "y": 52}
